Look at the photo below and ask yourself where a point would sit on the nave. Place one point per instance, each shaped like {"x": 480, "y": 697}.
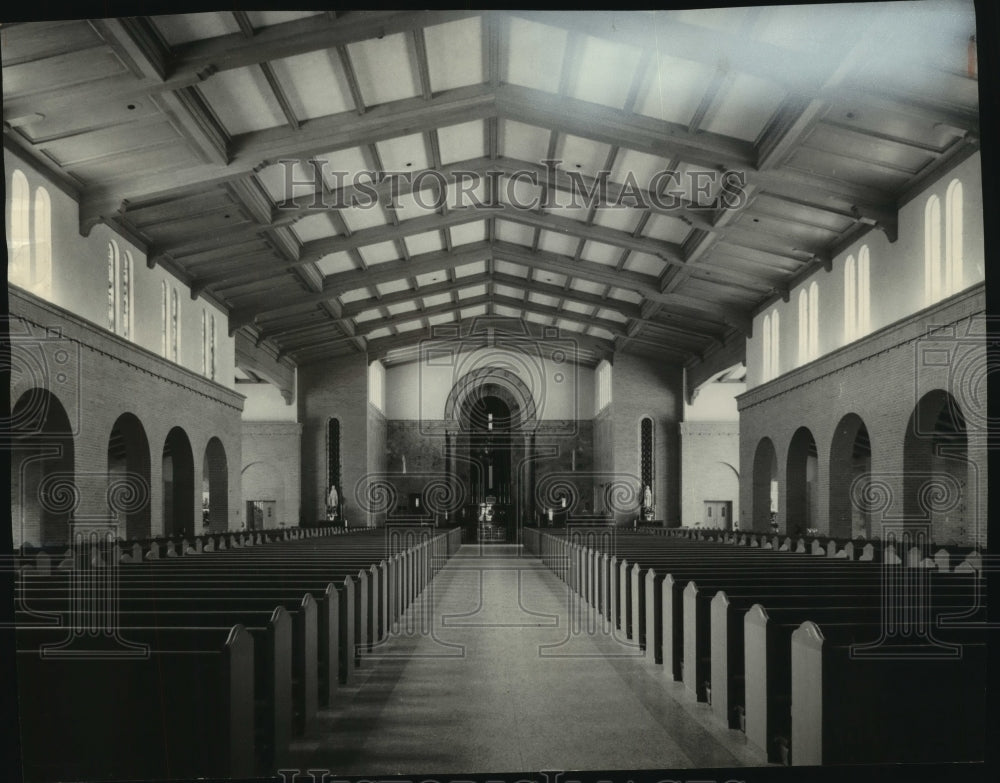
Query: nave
{"x": 495, "y": 672}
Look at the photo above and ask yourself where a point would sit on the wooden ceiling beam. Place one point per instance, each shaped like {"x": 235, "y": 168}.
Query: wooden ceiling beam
{"x": 323, "y": 342}
{"x": 462, "y": 331}
{"x": 334, "y": 285}
{"x": 246, "y": 26}
{"x": 250, "y": 151}
{"x": 189, "y": 64}
{"x": 139, "y": 44}
{"x": 798, "y": 71}
{"x": 423, "y": 66}
{"x": 367, "y": 327}
{"x": 558, "y": 312}
{"x": 612, "y": 126}
{"x": 581, "y": 297}
{"x": 664, "y": 139}
{"x": 352, "y": 309}
{"x": 668, "y": 252}
{"x": 297, "y": 331}
{"x": 352, "y": 79}
{"x": 645, "y": 285}
{"x": 799, "y": 114}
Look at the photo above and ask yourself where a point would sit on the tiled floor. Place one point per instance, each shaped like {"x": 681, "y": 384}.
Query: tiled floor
{"x": 491, "y": 676}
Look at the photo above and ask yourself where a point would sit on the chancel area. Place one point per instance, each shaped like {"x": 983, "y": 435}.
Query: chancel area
{"x": 400, "y": 392}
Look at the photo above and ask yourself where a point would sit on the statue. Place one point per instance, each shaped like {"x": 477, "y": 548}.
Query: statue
{"x": 647, "y": 504}
{"x": 332, "y": 501}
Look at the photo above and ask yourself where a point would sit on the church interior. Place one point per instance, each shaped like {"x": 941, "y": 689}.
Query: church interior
{"x": 406, "y": 391}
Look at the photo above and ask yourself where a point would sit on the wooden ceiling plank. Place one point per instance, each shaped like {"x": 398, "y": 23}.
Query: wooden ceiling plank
{"x": 367, "y": 327}
{"x": 423, "y": 66}
{"x": 531, "y": 332}
{"x": 191, "y": 63}
{"x": 141, "y": 45}
{"x": 250, "y": 151}
{"x": 280, "y": 96}
{"x": 598, "y": 273}
{"x": 346, "y": 281}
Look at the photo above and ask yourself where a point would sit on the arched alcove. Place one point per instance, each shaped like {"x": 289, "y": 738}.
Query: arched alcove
{"x": 850, "y": 469}
{"x": 800, "y": 483}
{"x": 936, "y": 468}
{"x": 215, "y": 488}
{"x": 177, "y": 472}
{"x": 765, "y": 486}
{"x": 129, "y": 477}
{"x": 43, "y": 480}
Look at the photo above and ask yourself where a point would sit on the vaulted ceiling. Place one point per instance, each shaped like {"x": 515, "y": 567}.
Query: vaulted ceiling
{"x": 193, "y": 135}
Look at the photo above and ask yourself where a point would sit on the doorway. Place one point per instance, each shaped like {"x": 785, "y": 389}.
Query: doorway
{"x": 718, "y": 514}
{"x": 261, "y": 514}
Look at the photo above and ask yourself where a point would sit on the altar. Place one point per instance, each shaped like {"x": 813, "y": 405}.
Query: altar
{"x": 491, "y": 521}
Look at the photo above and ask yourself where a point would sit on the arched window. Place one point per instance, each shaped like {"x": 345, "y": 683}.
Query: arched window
{"x": 775, "y": 345}
{"x": 125, "y": 295}
{"x": 29, "y": 257}
{"x": 813, "y": 320}
{"x": 603, "y": 386}
{"x": 204, "y": 343}
{"x": 953, "y": 238}
{"x": 208, "y": 344}
{"x": 112, "y": 286}
{"x": 766, "y": 349}
{"x": 175, "y": 330}
{"x": 19, "y": 236}
{"x": 376, "y": 385}
{"x": 932, "y": 250}
{"x": 211, "y": 346}
{"x": 864, "y": 323}
{"x": 809, "y": 323}
{"x": 803, "y": 326}
{"x": 332, "y": 454}
{"x": 41, "y": 245}
{"x": 646, "y": 459}
{"x": 164, "y": 318}
{"x": 850, "y": 300}
{"x": 119, "y": 290}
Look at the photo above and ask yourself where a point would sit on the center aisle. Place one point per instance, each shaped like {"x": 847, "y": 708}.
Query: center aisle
{"x": 490, "y": 677}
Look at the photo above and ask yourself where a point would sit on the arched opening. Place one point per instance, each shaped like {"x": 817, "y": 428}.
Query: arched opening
{"x": 128, "y": 477}
{"x": 264, "y": 495}
{"x": 491, "y": 463}
{"x": 936, "y": 468}
{"x": 646, "y": 467}
{"x": 489, "y": 419}
{"x": 485, "y": 465}
{"x": 334, "y": 487}
{"x": 801, "y": 510}
{"x": 765, "y": 487}
{"x": 178, "y": 484}
{"x": 850, "y": 474}
{"x": 42, "y": 481}
{"x": 215, "y": 488}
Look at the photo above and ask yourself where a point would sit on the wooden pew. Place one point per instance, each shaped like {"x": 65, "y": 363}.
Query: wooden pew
{"x": 767, "y": 650}
{"x": 113, "y": 717}
{"x": 899, "y": 694}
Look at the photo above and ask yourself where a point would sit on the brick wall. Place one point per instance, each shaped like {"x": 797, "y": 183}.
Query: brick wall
{"x": 326, "y": 390}
{"x": 880, "y": 380}
{"x": 710, "y": 452}
{"x": 272, "y": 454}
{"x": 604, "y": 454}
{"x": 376, "y": 462}
{"x": 643, "y": 386}
{"x": 97, "y": 378}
